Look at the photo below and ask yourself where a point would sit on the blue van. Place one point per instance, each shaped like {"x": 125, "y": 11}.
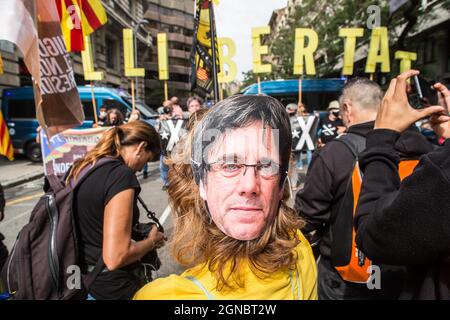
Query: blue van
{"x": 20, "y": 113}
{"x": 316, "y": 93}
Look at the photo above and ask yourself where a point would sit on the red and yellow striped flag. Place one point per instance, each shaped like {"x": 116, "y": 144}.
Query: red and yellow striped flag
{"x": 6, "y": 147}
{"x": 80, "y": 18}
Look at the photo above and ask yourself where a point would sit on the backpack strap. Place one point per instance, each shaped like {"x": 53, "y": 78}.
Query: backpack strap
{"x": 355, "y": 144}
{"x": 86, "y": 171}
{"x": 91, "y": 276}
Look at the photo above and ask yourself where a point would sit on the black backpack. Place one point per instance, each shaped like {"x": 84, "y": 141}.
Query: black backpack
{"x": 44, "y": 262}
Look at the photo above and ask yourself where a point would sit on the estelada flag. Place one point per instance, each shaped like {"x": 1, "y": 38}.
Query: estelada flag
{"x": 201, "y": 54}
{"x": 79, "y": 18}
{"x": 6, "y": 147}
{"x": 34, "y": 26}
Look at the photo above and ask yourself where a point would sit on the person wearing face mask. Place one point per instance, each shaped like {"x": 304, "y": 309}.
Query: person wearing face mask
{"x": 331, "y": 126}
{"x": 105, "y": 209}
{"x": 102, "y": 116}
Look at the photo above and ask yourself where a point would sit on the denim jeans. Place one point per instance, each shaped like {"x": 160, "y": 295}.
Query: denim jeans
{"x": 164, "y": 171}
{"x": 303, "y": 158}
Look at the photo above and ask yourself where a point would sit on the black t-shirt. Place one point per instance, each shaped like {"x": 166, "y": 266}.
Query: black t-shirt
{"x": 328, "y": 129}
{"x": 90, "y": 201}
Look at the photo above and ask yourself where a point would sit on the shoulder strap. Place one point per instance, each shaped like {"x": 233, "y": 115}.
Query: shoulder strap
{"x": 201, "y": 287}
{"x": 150, "y": 214}
{"x": 86, "y": 171}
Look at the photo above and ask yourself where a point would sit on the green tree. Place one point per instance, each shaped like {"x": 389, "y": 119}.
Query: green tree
{"x": 326, "y": 18}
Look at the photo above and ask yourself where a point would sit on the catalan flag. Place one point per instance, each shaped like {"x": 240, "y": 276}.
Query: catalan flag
{"x": 79, "y": 18}
{"x": 6, "y": 147}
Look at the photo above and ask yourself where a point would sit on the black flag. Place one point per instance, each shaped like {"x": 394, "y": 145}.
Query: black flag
{"x": 304, "y": 132}
{"x": 202, "y": 73}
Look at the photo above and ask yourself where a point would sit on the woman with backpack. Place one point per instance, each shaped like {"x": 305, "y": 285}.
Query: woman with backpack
{"x": 105, "y": 209}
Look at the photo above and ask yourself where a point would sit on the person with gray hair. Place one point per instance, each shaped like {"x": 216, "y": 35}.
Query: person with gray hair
{"x": 326, "y": 201}
{"x": 236, "y": 235}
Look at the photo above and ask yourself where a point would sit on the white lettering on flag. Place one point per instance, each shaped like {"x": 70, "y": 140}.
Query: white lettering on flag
{"x": 305, "y": 137}
{"x": 174, "y": 133}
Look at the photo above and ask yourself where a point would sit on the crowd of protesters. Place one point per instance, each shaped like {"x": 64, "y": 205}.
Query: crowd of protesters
{"x": 227, "y": 178}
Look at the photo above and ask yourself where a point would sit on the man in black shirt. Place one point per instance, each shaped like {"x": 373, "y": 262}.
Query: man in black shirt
{"x": 330, "y": 126}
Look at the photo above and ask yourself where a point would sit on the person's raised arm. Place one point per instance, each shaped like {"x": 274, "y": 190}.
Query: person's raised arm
{"x": 394, "y": 221}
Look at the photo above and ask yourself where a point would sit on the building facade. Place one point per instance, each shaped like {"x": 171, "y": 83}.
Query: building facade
{"x": 172, "y": 17}
{"x": 176, "y": 18}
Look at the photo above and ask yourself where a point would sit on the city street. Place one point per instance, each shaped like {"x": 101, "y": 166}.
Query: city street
{"x": 21, "y": 199}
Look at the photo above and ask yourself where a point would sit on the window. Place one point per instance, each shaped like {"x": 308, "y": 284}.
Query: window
{"x": 421, "y": 53}
{"x": 88, "y": 109}
{"x": 132, "y": 6}
{"x": 188, "y": 32}
{"x": 21, "y": 109}
{"x": 114, "y": 104}
{"x": 111, "y": 53}
{"x": 429, "y": 50}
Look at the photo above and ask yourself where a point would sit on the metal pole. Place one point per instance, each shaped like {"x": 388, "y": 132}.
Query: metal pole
{"x": 258, "y": 79}
{"x": 299, "y": 90}
{"x": 133, "y": 99}
{"x": 166, "y": 91}
{"x": 94, "y": 104}
{"x": 213, "y": 47}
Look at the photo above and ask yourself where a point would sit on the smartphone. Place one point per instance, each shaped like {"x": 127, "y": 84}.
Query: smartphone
{"x": 422, "y": 94}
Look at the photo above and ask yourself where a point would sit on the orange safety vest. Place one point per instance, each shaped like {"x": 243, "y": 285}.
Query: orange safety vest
{"x": 357, "y": 270}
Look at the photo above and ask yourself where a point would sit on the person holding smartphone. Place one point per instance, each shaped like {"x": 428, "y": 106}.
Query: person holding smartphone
{"x": 407, "y": 223}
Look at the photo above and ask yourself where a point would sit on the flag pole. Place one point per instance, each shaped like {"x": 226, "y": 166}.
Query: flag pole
{"x": 132, "y": 95}
{"x": 259, "y": 84}
{"x": 94, "y": 104}
{"x": 166, "y": 91}
{"x": 299, "y": 90}
{"x": 213, "y": 47}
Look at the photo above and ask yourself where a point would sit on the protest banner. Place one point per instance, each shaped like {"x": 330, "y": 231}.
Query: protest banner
{"x": 62, "y": 150}
{"x": 58, "y": 105}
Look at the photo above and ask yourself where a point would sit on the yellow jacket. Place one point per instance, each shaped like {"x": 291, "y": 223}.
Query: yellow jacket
{"x": 198, "y": 283}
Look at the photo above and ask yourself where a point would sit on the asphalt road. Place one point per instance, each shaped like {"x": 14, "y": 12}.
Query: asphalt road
{"x": 20, "y": 201}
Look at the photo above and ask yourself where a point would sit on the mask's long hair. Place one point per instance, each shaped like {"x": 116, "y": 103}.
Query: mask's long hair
{"x": 114, "y": 139}
{"x": 198, "y": 241}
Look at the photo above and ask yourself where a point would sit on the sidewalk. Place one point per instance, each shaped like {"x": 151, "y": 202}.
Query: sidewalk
{"x": 13, "y": 173}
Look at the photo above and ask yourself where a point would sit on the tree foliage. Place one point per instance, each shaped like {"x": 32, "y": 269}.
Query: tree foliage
{"x": 326, "y": 18}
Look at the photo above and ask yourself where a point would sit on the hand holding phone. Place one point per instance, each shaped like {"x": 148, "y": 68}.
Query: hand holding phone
{"x": 422, "y": 94}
